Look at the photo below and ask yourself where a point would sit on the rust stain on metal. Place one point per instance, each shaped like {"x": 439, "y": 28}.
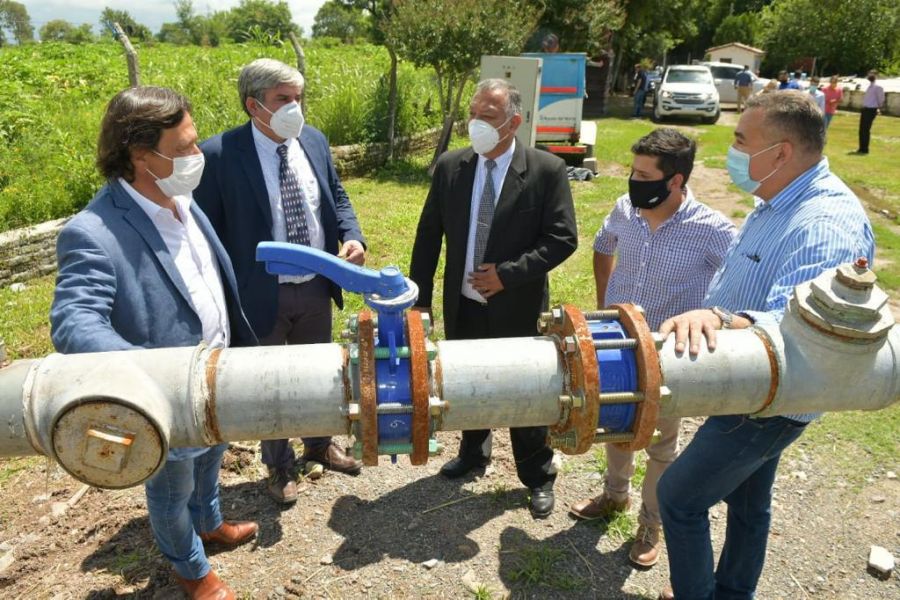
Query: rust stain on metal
{"x": 368, "y": 417}
{"x": 584, "y": 379}
{"x": 418, "y": 383}
{"x": 649, "y": 376}
{"x": 212, "y": 420}
{"x": 774, "y": 378}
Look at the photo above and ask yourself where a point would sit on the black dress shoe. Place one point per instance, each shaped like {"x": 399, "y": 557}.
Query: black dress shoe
{"x": 541, "y": 504}
{"x": 460, "y": 466}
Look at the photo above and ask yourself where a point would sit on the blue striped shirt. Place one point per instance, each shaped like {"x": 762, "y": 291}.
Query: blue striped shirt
{"x": 814, "y": 224}
{"x": 668, "y": 270}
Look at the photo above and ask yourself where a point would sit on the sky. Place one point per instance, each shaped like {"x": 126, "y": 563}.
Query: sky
{"x": 150, "y": 13}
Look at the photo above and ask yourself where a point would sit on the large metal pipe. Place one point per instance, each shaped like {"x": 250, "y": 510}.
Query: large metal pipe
{"x": 110, "y": 418}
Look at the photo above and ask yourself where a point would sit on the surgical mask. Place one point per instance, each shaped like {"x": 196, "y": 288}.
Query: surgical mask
{"x": 185, "y": 177}
{"x": 484, "y": 136}
{"x": 287, "y": 122}
{"x": 738, "y": 165}
{"x": 648, "y": 194}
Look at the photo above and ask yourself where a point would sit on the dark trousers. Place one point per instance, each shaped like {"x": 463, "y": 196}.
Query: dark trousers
{"x": 304, "y": 317}
{"x": 534, "y": 459}
{"x": 866, "y": 118}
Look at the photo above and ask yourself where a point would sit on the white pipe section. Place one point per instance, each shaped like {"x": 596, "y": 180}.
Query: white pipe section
{"x": 500, "y": 382}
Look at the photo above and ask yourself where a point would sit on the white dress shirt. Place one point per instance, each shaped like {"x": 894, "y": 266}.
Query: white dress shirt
{"x": 267, "y": 150}
{"x": 499, "y": 176}
{"x": 194, "y": 260}
{"x": 874, "y": 96}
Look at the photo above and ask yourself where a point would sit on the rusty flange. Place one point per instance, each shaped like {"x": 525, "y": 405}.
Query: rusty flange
{"x": 649, "y": 376}
{"x": 418, "y": 384}
{"x": 570, "y": 329}
{"x": 368, "y": 415}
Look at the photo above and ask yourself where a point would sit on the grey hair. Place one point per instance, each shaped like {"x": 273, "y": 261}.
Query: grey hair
{"x": 794, "y": 115}
{"x": 513, "y": 97}
{"x": 264, "y": 74}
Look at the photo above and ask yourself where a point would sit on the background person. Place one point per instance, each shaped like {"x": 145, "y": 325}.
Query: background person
{"x": 833, "y": 96}
{"x": 743, "y": 83}
{"x": 141, "y": 267}
{"x": 273, "y": 178}
{"x": 807, "y": 222}
{"x": 817, "y": 95}
{"x": 658, "y": 248}
{"x": 507, "y": 215}
{"x": 873, "y": 100}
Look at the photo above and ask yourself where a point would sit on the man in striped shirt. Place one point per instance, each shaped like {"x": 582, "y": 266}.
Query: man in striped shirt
{"x": 665, "y": 247}
{"x": 806, "y": 221}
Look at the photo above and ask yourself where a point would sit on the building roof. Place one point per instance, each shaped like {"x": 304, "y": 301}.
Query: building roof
{"x": 737, "y": 45}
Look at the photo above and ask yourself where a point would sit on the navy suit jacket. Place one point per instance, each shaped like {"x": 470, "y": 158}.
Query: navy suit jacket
{"x": 118, "y": 287}
{"x": 233, "y": 195}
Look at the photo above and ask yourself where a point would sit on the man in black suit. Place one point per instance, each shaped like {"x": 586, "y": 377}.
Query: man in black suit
{"x": 507, "y": 214}
{"x": 273, "y": 178}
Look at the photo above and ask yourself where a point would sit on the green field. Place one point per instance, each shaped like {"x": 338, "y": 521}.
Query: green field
{"x": 52, "y": 97}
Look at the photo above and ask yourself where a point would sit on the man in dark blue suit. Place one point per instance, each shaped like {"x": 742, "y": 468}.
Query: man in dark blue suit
{"x": 141, "y": 267}
{"x": 273, "y": 178}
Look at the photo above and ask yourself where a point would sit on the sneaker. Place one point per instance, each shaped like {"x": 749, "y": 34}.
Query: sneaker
{"x": 645, "y": 549}
{"x": 601, "y": 507}
{"x": 281, "y": 486}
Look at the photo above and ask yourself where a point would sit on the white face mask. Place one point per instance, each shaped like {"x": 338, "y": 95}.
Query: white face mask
{"x": 287, "y": 122}
{"x": 185, "y": 175}
{"x": 484, "y": 136}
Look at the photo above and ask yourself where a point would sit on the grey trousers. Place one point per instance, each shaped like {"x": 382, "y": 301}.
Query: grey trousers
{"x": 304, "y": 317}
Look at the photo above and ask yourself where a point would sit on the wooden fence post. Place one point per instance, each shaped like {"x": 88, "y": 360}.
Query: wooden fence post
{"x": 134, "y": 70}
{"x": 301, "y": 65}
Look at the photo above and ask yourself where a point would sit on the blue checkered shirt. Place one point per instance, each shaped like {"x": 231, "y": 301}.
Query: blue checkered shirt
{"x": 666, "y": 271}
{"x": 814, "y": 224}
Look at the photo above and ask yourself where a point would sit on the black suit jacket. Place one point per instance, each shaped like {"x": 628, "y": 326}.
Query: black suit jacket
{"x": 233, "y": 195}
{"x": 533, "y": 231}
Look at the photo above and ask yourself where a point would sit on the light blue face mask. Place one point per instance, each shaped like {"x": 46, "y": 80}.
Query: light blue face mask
{"x": 738, "y": 165}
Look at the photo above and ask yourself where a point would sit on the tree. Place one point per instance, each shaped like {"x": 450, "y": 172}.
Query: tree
{"x": 59, "y": 30}
{"x": 452, "y": 35}
{"x": 741, "y": 28}
{"x": 14, "y": 17}
{"x": 844, "y": 37}
{"x": 339, "y": 20}
{"x": 133, "y": 29}
{"x": 253, "y": 19}
{"x": 582, "y": 25}
{"x": 192, "y": 28}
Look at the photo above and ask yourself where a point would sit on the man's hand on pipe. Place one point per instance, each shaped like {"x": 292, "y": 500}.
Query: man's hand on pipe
{"x": 692, "y": 326}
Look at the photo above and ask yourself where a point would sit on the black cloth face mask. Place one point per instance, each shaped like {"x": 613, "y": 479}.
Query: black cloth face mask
{"x": 648, "y": 194}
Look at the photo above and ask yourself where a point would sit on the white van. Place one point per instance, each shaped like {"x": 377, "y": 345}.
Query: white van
{"x": 724, "y": 74}
{"x": 687, "y": 91}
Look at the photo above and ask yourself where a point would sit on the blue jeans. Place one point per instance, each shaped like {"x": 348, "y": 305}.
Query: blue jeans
{"x": 183, "y": 500}
{"x": 639, "y": 97}
{"x": 732, "y": 458}
{"x": 828, "y": 118}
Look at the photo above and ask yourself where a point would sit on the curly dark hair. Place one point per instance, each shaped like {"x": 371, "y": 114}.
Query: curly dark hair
{"x": 135, "y": 118}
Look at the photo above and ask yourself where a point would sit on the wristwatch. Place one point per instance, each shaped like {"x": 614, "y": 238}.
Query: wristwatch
{"x": 726, "y": 316}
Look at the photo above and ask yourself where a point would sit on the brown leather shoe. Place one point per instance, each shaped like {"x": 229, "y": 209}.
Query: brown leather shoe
{"x": 601, "y": 507}
{"x": 281, "y": 486}
{"x": 231, "y": 533}
{"x": 209, "y": 587}
{"x": 645, "y": 549}
{"x": 666, "y": 593}
{"x": 332, "y": 457}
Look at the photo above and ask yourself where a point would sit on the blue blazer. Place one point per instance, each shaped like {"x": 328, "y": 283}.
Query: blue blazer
{"x": 118, "y": 287}
{"x": 233, "y": 195}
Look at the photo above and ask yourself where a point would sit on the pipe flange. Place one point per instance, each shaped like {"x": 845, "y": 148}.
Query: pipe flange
{"x": 649, "y": 376}
{"x": 368, "y": 415}
{"x": 570, "y": 329}
{"x": 418, "y": 383}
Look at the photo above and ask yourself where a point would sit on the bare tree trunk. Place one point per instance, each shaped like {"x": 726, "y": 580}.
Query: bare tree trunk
{"x": 301, "y": 64}
{"x": 392, "y": 103}
{"x": 134, "y": 69}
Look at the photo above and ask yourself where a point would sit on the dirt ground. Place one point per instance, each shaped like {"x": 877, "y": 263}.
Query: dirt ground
{"x": 398, "y": 531}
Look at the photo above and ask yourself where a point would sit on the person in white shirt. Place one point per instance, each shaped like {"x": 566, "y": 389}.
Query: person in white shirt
{"x": 817, "y": 94}
{"x": 873, "y": 100}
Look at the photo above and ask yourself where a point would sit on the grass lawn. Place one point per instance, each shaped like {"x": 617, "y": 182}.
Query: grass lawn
{"x": 388, "y": 205}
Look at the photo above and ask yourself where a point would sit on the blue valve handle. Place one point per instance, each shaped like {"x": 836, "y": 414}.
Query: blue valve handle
{"x": 282, "y": 258}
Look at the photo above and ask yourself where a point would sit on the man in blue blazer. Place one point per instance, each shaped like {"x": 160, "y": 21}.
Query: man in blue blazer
{"x": 273, "y": 178}
{"x": 141, "y": 267}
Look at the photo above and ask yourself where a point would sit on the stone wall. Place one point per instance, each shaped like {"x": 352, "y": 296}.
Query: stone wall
{"x": 30, "y": 252}
{"x": 853, "y": 100}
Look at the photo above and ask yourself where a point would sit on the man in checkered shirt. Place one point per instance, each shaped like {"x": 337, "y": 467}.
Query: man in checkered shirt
{"x": 658, "y": 248}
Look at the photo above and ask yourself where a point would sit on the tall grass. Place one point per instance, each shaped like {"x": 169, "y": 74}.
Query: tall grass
{"x": 52, "y": 97}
